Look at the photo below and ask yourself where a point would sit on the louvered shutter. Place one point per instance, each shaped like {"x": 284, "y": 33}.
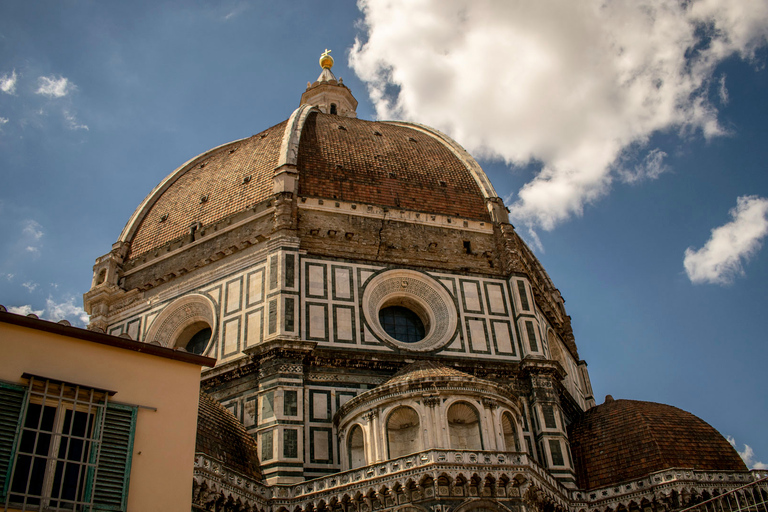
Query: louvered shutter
{"x": 11, "y": 404}
{"x": 110, "y": 490}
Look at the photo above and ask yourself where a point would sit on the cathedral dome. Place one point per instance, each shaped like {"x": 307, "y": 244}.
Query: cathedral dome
{"x": 623, "y": 440}
{"x": 386, "y": 164}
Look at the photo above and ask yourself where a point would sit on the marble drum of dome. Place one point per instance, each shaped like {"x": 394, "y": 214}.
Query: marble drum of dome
{"x": 398, "y": 292}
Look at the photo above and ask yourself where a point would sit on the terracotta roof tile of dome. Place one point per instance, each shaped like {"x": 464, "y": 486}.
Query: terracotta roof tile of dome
{"x": 425, "y": 370}
{"x": 385, "y": 164}
{"x": 221, "y": 436}
{"x": 218, "y": 175}
{"x": 622, "y": 440}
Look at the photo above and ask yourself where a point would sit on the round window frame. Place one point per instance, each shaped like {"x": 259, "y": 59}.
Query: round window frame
{"x": 423, "y": 295}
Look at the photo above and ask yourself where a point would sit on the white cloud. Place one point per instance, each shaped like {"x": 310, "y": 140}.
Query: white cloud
{"x": 54, "y": 87}
{"x": 72, "y": 122}
{"x": 55, "y": 311}
{"x": 571, "y": 85}
{"x": 747, "y": 455}
{"x": 8, "y": 82}
{"x": 33, "y": 229}
{"x": 25, "y": 310}
{"x": 720, "y": 260}
{"x": 65, "y": 310}
{"x": 649, "y": 169}
{"x": 3, "y": 120}
{"x": 31, "y": 236}
{"x": 722, "y": 91}
{"x": 9, "y": 276}
{"x": 29, "y": 285}
{"x": 236, "y": 11}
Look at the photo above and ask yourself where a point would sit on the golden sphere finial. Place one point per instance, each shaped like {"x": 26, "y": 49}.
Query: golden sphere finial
{"x": 326, "y": 61}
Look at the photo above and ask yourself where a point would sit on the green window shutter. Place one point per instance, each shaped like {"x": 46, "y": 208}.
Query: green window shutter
{"x": 110, "y": 490}
{"x": 11, "y": 405}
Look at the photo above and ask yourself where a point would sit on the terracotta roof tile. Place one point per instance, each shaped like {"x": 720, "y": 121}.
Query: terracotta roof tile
{"x": 426, "y": 370}
{"x": 218, "y": 177}
{"x": 221, "y": 436}
{"x": 383, "y": 164}
{"x": 622, "y": 440}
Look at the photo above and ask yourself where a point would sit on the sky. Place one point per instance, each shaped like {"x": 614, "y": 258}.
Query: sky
{"x": 629, "y": 140}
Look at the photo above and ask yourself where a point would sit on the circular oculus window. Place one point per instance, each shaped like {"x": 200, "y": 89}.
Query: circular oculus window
{"x": 409, "y": 310}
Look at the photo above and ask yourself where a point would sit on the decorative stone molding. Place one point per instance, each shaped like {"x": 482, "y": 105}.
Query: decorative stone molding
{"x": 181, "y": 314}
{"x": 419, "y": 293}
{"x": 658, "y": 488}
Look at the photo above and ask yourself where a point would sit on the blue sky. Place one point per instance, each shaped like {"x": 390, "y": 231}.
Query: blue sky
{"x": 623, "y": 137}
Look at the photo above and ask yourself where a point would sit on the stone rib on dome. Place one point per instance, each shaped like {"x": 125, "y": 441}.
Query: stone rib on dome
{"x": 623, "y": 440}
{"x": 217, "y": 175}
{"x": 385, "y": 164}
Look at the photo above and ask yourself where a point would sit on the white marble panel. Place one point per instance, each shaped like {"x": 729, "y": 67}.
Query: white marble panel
{"x": 320, "y": 442}
{"x": 495, "y": 298}
{"x": 317, "y": 321}
{"x": 319, "y": 406}
{"x": 255, "y": 325}
{"x": 471, "y": 295}
{"x": 503, "y": 341}
{"x": 316, "y": 281}
{"x": 344, "y": 324}
{"x": 477, "y": 335}
{"x": 231, "y": 332}
{"x": 342, "y": 283}
{"x": 233, "y": 296}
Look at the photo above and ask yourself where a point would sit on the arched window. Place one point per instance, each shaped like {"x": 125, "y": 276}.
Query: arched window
{"x": 356, "y": 448}
{"x": 403, "y": 432}
{"x": 199, "y": 340}
{"x": 188, "y": 322}
{"x": 511, "y": 442}
{"x": 464, "y": 427}
{"x": 333, "y": 108}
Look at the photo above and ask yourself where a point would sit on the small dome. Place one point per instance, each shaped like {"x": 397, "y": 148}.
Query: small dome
{"x": 220, "y": 435}
{"x": 623, "y": 440}
{"x": 426, "y": 370}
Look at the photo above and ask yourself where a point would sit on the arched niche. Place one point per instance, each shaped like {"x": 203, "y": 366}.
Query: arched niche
{"x": 188, "y": 322}
{"x": 511, "y": 441}
{"x": 356, "y": 448}
{"x": 403, "y": 429}
{"x": 464, "y": 427}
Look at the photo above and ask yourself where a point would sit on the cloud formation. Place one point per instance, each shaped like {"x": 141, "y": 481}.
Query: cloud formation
{"x": 8, "y": 82}
{"x": 31, "y": 236}
{"x": 54, "y": 87}
{"x": 720, "y": 260}
{"x": 55, "y": 311}
{"x": 65, "y": 310}
{"x": 747, "y": 455}
{"x": 72, "y": 122}
{"x": 25, "y": 310}
{"x": 573, "y": 86}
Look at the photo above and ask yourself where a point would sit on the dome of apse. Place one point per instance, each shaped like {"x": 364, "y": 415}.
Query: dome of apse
{"x": 383, "y": 163}
{"x": 622, "y": 440}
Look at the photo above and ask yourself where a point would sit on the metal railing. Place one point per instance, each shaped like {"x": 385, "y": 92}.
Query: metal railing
{"x": 752, "y": 497}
